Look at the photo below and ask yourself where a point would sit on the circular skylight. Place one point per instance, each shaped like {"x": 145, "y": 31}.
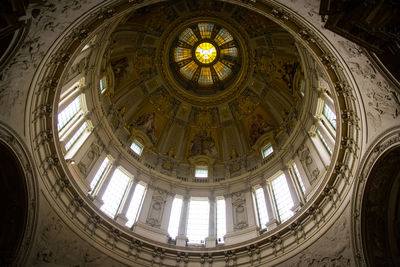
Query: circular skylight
{"x": 205, "y": 55}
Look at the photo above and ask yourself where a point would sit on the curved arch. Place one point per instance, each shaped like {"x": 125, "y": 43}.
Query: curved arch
{"x": 18, "y": 192}
{"x": 375, "y": 204}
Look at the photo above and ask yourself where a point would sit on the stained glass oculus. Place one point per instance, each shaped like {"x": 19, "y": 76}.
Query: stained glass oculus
{"x": 205, "y": 55}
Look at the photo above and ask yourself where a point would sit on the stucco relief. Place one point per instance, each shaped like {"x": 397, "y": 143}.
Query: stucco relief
{"x": 89, "y": 159}
{"x": 383, "y": 101}
{"x": 156, "y": 208}
{"x": 352, "y": 50}
{"x": 239, "y": 211}
{"x": 47, "y": 21}
{"x": 308, "y": 163}
{"x": 333, "y": 249}
{"x": 57, "y": 245}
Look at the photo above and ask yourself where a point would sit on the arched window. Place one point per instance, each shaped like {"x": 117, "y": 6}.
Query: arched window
{"x": 261, "y": 208}
{"x": 299, "y": 178}
{"x": 136, "y": 203}
{"x": 100, "y": 174}
{"x": 103, "y": 84}
{"x": 114, "y": 193}
{"x": 221, "y": 219}
{"x": 282, "y": 197}
{"x": 137, "y": 147}
{"x": 201, "y": 172}
{"x": 197, "y": 226}
{"x": 267, "y": 150}
{"x": 330, "y": 115}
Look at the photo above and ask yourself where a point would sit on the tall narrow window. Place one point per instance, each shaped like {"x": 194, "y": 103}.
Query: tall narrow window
{"x": 324, "y": 142}
{"x": 137, "y": 147}
{"x": 105, "y": 165}
{"x": 68, "y": 113}
{"x": 298, "y": 177}
{"x": 221, "y": 219}
{"x": 103, "y": 84}
{"x": 76, "y": 135}
{"x": 175, "y": 217}
{"x": 197, "y": 226}
{"x": 267, "y": 150}
{"x": 330, "y": 115}
{"x": 136, "y": 203}
{"x": 77, "y": 140}
{"x": 261, "y": 207}
{"x": 282, "y": 197}
{"x": 115, "y": 192}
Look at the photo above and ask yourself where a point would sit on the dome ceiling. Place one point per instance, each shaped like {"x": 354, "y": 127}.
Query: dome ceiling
{"x": 202, "y": 79}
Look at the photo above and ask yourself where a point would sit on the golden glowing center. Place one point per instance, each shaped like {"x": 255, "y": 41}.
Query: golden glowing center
{"x": 206, "y": 53}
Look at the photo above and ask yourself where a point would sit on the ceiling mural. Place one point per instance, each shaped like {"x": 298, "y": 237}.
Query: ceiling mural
{"x": 220, "y": 75}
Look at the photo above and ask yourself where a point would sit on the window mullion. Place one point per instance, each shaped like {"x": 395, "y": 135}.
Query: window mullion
{"x": 126, "y": 200}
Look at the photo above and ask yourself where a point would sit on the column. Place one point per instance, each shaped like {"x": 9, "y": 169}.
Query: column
{"x": 303, "y": 174}
{"x": 251, "y": 216}
{"x": 272, "y": 221}
{"x": 73, "y": 126}
{"x": 295, "y": 181}
{"x": 211, "y": 240}
{"x": 95, "y": 168}
{"x": 327, "y": 100}
{"x": 317, "y": 151}
{"x": 181, "y": 238}
{"x": 228, "y": 213}
{"x": 296, "y": 200}
{"x": 121, "y": 214}
{"x": 325, "y": 133}
{"x": 102, "y": 189}
{"x": 167, "y": 212}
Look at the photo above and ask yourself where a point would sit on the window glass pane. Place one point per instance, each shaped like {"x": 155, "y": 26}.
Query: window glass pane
{"x": 85, "y": 47}
{"x": 297, "y": 173}
{"x": 182, "y": 53}
{"x": 103, "y": 85}
{"x": 201, "y": 172}
{"x": 188, "y": 70}
{"x": 114, "y": 192}
{"x": 137, "y": 147}
{"x": 267, "y": 151}
{"x": 135, "y": 205}
{"x": 282, "y": 197}
{"x": 205, "y": 30}
{"x": 68, "y": 113}
{"x": 188, "y": 36}
{"x": 262, "y": 208}
{"x": 221, "y": 220}
{"x": 222, "y": 70}
{"x": 205, "y": 77}
{"x": 100, "y": 173}
{"x": 75, "y": 137}
{"x": 223, "y": 37}
{"x": 175, "y": 217}
{"x": 324, "y": 141}
{"x": 197, "y": 227}
{"x": 330, "y": 115}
